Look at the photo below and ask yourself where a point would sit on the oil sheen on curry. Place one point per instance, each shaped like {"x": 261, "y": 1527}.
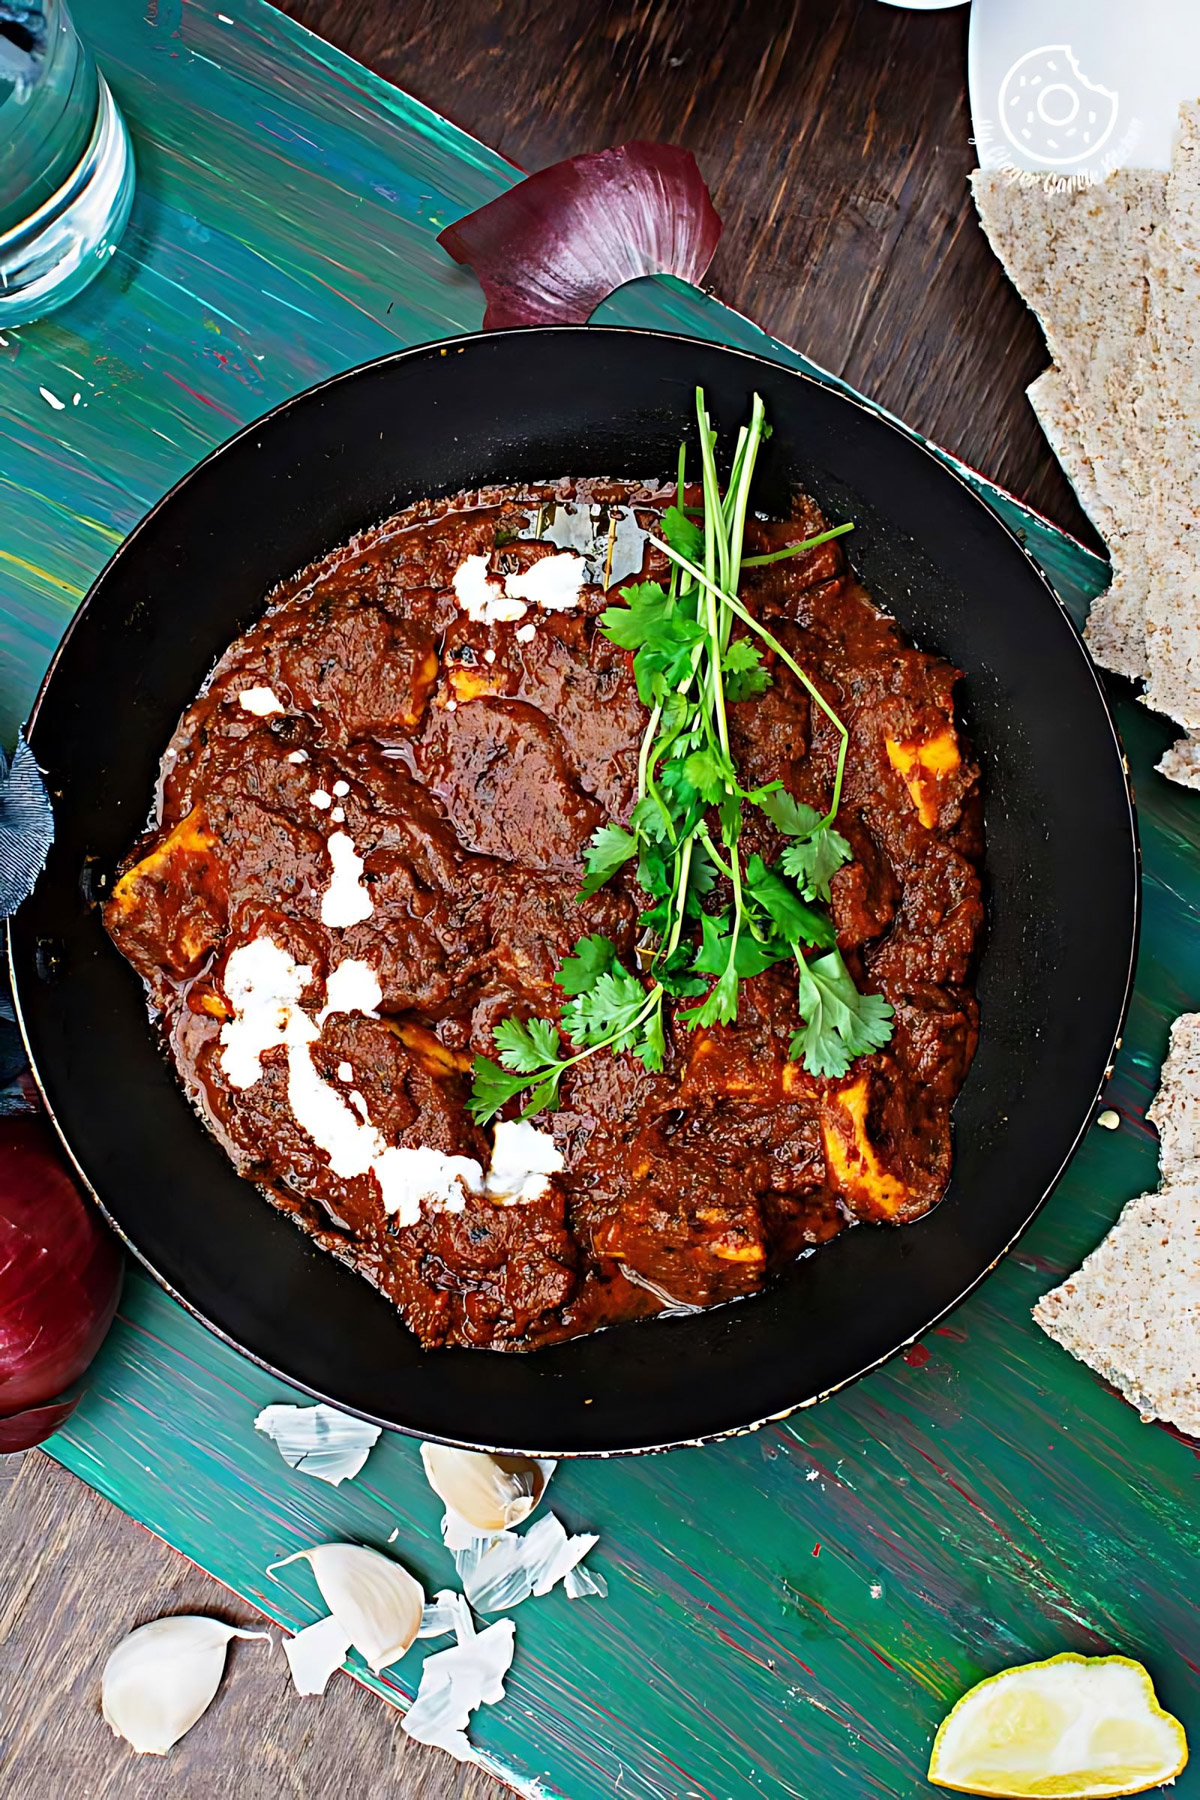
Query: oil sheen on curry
{"x": 371, "y": 826}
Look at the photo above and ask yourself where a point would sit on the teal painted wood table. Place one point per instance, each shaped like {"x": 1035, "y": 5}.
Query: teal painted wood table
{"x": 790, "y": 1613}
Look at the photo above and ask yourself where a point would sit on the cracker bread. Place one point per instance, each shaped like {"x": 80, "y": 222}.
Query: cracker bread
{"x": 1173, "y": 523}
{"x": 1079, "y": 260}
{"x": 1115, "y": 630}
{"x": 1097, "y": 331}
{"x": 1181, "y": 762}
{"x": 1132, "y": 1312}
{"x": 1057, "y": 411}
{"x": 1175, "y": 1113}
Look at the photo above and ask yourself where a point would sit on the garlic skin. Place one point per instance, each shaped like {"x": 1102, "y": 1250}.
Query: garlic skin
{"x": 319, "y": 1440}
{"x": 491, "y": 1493}
{"x": 497, "y": 1573}
{"x": 377, "y": 1603}
{"x": 315, "y": 1653}
{"x": 162, "y": 1678}
{"x": 455, "y": 1682}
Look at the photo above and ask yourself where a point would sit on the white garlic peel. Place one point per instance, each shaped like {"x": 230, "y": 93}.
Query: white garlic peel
{"x": 319, "y": 1440}
{"x": 314, "y": 1654}
{"x": 447, "y": 1615}
{"x": 377, "y": 1603}
{"x": 163, "y": 1676}
{"x": 580, "y": 1584}
{"x": 455, "y": 1681}
{"x": 487, "y": 1493}
{"x": 499, "y": 1572}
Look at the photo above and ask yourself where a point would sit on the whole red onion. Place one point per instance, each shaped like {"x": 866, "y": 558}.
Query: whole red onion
{"x": 60, "y": 1275}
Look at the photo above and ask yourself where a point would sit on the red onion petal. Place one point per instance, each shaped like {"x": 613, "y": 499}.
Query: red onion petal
{"x": 60, "y": 1270}
{"x": 33, "y": 1426}
{"x": 552, "y": 248}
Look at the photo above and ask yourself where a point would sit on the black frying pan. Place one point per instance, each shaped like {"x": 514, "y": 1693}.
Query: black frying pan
{"x": 1062, "y": 870}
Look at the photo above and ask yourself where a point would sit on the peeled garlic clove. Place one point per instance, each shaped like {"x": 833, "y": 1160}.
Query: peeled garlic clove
{"x": 377, "y": 1603}
{"x": 492, "y": 1493}
{"x": 162, "y": 1678}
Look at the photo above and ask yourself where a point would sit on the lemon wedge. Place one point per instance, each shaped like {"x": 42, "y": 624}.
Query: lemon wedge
{"x": 1070, "y": 1728}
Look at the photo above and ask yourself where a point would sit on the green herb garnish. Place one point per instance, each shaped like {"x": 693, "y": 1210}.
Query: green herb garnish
{"x": 686, "y": 827}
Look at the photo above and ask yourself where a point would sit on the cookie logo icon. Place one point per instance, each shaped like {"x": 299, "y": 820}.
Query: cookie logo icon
{"x": 1051, "y": 112}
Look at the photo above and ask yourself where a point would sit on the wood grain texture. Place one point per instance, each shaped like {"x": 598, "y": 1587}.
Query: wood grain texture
{"x": 790, "y": 1613}
{"x": 835, "y": 138}
{"x": 77, "y": 1576}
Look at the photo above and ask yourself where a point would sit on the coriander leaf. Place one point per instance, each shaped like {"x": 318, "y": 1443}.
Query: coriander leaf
{"x": 651, "y": 1048}
{"x": 814, "y": 861}
{"x": 743, "y": 653}
{"x": 657, "y": 918}
{"x": 721, "y": 1007}
{"x": 746, "y": 686}
{"x": 491, "y": 1089}
{"x": 610, "y": 846}
{"x": 750, "y": 958}
{"x": 676, "y": 711}
{"x": 683, "y": 803}
{"x": 795, "y": 922}
{"x": 677, "y": 784}
{"x": 660, "y": 668}
{"x": 654, "y": 871}
{"x": 608, "y": 1011}
{"x": 744, "y": 675}
{"x": 839, "y": 1022}
{"x": 544, "y": 1097}
{"x": 790, "y": 816}
{"x": 648, "y": 820}
{"x": 674, "y": 976}
{"x": 589, "y": 960}
{"x": 710, "y": 773}
{"x": 713, "y": 954}
{"x": 527, "y": 1046}
{"x": 647, "y": 617}
{"x": 682, "y": 534}
{"x": 702, "y": 878}
{"x": 729, "y": 811}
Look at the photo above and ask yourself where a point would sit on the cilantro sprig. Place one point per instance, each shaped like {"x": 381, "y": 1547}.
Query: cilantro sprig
{"x": 697, "y": 650}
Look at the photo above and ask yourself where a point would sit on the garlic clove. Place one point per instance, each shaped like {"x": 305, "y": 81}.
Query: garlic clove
{"x": 377, "y": 1603}
{"x": 490, "y": 1493}
{"x": 315, "y": 1653}
{"x": 162, "y": 1678}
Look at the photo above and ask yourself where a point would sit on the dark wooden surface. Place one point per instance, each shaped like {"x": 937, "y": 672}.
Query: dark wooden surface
{"x": 75, "y": 1576}
{"x": 834, "y": 137}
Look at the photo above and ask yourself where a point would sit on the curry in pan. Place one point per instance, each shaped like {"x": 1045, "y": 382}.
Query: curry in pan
{"x": 563, "y": 902}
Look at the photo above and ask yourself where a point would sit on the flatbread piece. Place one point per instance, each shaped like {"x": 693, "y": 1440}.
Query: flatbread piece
{"x": 1132, "y": 1312}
